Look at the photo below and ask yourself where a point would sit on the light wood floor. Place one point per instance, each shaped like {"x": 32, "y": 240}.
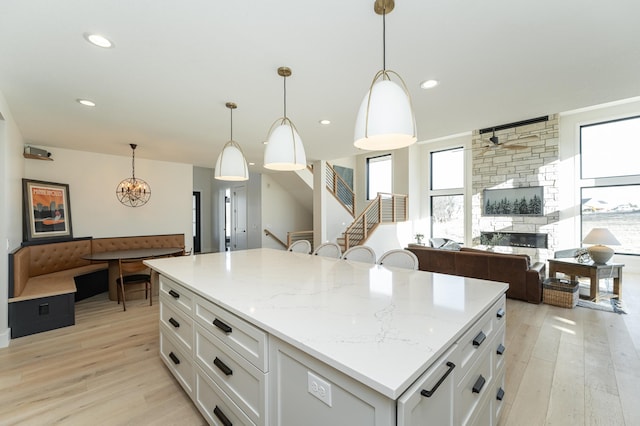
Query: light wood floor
{"x": 564, "y": 367}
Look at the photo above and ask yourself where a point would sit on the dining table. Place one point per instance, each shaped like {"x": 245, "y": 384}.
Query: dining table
{"x": 113, "y": 256}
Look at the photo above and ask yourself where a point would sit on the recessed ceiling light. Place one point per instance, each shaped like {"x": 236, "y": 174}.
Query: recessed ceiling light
{"x": 98, "y": 40}
{"x": 252, "y": 164}
{"x": 428, "y": 84}
{"x": 86, "y": 102}
{"x": 265, "y": 142}
{"x": 325, "y": 122}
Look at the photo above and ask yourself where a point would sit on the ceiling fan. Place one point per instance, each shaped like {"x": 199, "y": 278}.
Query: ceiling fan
{"x": 494, "y": 142}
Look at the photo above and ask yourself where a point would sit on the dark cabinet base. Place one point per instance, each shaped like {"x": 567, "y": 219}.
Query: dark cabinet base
{"x": 36, "y": 315}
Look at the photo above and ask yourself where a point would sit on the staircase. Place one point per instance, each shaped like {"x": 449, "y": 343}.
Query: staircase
{"x": 340, "y": 190}
{"x": 385, "y": 208}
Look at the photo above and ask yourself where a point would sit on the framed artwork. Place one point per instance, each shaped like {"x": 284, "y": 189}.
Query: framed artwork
{"x": 527, "y": 201}
{"x": 46, "y": 211}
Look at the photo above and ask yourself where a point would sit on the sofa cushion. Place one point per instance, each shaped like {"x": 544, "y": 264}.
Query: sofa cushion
{"x": 472, "y": 265}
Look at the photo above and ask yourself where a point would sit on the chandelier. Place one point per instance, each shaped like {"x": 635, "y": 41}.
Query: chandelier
{"x": 133, "y": 192}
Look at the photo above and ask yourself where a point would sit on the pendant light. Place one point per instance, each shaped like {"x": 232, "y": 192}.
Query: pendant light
{"x": 133, "y": 192}
{"x": 385, "y": 119}
{"x": 284, "y": 149}
{"x": 231, "y": 164}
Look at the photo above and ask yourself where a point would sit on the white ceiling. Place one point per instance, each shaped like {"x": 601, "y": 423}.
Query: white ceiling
{"x": 176, "y": 63}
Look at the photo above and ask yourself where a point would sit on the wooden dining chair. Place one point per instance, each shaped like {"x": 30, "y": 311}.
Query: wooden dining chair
{"x": 133, "y": 271}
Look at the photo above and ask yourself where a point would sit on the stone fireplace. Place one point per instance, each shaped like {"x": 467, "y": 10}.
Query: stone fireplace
{"x": 527, "y": 157}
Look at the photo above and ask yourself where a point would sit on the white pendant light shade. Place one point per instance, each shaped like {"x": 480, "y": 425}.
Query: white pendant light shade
{"x": 231, "y": 164}
{"x": 385, "y": 120}
{"x": 284, "y": 150}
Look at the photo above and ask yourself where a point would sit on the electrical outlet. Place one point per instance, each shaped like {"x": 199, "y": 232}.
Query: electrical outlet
{"x": 319, "y": 388}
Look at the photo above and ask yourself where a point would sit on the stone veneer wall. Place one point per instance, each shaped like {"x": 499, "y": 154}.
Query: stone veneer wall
{"x": 501, "y": 167}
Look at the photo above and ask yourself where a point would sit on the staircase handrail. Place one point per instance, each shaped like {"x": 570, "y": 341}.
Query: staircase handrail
{"x": 294, "y": 236}
{"x": 272, "y": 235}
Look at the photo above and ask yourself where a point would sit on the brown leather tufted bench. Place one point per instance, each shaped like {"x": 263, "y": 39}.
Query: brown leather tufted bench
{"x": 42, "y": 278}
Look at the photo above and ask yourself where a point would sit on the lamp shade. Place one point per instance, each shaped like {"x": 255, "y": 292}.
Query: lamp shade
{"x": 284, "y": 150}
{"x": 601, "y": 236}
{"x": 231, "y": 164}
{"x": 599, "y": 253}
{"x": 385, "y": 119}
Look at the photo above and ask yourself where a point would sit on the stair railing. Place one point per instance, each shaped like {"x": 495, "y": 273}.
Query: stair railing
{"x": 340, "y": 190}
{"x": 385, "y": 208}
{"x": 292, "y": 237}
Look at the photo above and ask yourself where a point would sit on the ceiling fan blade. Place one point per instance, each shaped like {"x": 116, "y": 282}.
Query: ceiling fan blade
{"x": 515, "y": 146}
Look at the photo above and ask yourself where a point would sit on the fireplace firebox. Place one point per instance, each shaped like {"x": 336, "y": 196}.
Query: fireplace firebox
{"x": 514, "y": 239}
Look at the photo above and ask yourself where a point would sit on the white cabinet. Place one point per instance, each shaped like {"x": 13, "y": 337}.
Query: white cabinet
{"x": 238, "y": 374}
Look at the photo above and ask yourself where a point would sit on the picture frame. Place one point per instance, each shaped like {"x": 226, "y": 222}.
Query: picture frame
{"x": 524, "y": 201}
{"x": 46, "y": 211}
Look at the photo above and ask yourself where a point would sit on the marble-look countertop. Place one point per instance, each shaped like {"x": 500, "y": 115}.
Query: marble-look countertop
{"x": 381, "y": 326}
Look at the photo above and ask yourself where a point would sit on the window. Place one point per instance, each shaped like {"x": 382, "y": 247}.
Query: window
{"x": 610, "y": 186}
{"x": 379, "y": 176}
{"x": 447, "y": 194}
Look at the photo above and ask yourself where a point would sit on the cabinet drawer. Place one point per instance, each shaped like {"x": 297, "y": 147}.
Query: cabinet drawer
{"x": 215, "y": 405}
{"x": 246, "y": 339}
{"x": 180, "y": 364}
{"x": 498, "y": 396}
{"x": 176, "y": 294}
{"x": 473, "y": 386}
{"x": 176, "y": 323}
{"x": 499, "y": 349}
{"x": 432, "y": 396}
{"x": 500, "y": 312}
{"x": 241, "y": 380}
{"x": 483, "y": 415}
{"x": 476, "y": 341}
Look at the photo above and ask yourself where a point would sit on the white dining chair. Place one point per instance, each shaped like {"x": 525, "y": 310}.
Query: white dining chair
{"x": 300, "y": 246}
{"x": 399, "y": 258}
{"x": 328, "y": 250}
{"x": 360, "y": 254}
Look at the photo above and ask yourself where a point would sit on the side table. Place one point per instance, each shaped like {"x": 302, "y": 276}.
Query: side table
{"x": 595, "y": 272}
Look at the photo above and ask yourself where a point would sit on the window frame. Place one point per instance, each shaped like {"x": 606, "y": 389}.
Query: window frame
{"x": 378, "y": 157}
{"x": 457, "y": 191}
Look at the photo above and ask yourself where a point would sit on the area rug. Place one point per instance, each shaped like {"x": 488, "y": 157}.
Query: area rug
{"x": 606, "y": 301}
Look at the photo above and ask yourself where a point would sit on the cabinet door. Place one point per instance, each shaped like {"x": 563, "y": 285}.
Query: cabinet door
{"x": 430, "y": 401}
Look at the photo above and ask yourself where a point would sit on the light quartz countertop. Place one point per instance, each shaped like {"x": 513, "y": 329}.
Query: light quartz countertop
{"x": 381, "y": 326}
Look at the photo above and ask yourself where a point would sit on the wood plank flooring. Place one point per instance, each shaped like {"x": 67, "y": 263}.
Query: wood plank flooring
{"x": 564, "y": 367}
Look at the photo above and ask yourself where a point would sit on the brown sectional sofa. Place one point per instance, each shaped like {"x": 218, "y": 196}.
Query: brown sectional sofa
{"x": 524, "y": 279}
{"x": 42, "y": 277}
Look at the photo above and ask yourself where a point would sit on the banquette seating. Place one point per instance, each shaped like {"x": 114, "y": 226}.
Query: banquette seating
{"x": 43, "y": 278}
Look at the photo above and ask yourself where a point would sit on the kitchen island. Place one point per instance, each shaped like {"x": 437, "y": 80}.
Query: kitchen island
{"x": 271, "y": 337}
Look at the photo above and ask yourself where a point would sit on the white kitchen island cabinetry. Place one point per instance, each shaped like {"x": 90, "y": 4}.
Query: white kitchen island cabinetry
{"x": 269, "y": 337}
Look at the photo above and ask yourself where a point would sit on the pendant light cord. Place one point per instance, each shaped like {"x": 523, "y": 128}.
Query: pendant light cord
{"x": 133, "y": 164}
{"x": 384, "y": 38}
{"x": 285, "y": 96}
{"x": 231, "y": 109}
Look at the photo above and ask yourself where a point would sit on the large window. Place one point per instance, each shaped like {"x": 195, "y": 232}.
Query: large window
{"x": 610, "y": 186}
{"x": 379, "y": 176}
{"x": 447, "y": 194}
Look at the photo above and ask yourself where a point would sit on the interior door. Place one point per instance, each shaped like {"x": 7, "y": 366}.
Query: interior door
{"x": 239, "y": 218}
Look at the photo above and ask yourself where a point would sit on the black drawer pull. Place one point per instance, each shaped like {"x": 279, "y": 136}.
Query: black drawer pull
{"x": 174, "y": 323}
{"x": 174, "y": 294}
{"x": 428, "y": 393}
{"x": 174, "y": 358}
{"x": 500, "y": 394}
{"x": 223, "y": 367}
{"x": 501, "y": 349}
{"x": 222, "y": 326}
{"x": 500, "y": 313}
{"x": 479, "y": 339}
{"x": 220, "y": 415}
{"x": 477, "y": 387}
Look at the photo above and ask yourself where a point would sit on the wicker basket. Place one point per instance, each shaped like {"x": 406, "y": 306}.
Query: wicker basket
{"x": 558, "y": 292}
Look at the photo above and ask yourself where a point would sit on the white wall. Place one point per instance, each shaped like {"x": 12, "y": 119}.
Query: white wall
{"x": 95, "y": 210}
{"x": 281, "y": 213}
{"x": 11, "y": 171}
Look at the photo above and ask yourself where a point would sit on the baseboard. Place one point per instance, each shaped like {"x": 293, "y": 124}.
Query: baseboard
{"x": 5, "y": 338}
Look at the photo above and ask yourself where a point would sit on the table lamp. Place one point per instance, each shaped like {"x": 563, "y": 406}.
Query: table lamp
{"x": 599, "y": 253}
